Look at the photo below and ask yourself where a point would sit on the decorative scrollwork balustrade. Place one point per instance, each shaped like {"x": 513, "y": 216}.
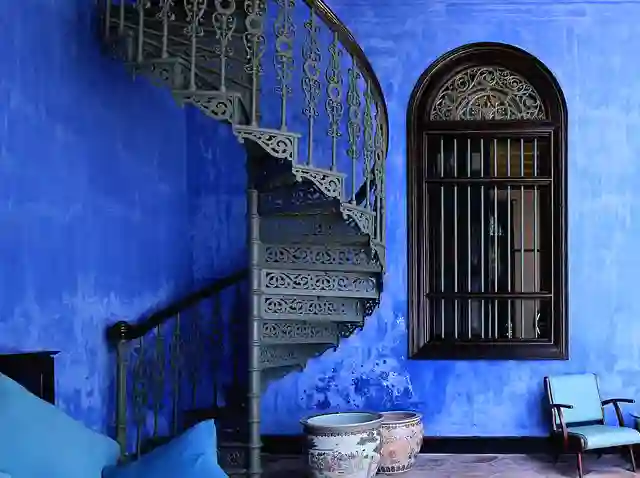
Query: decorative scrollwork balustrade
{"x": 287, "y": 75}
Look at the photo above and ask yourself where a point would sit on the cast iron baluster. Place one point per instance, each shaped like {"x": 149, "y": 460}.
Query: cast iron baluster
{"x": 158, "y": 378}
{"x": 219, "y": 338}
{"x": 175, "y": 367}
{"x": 334, "y": 104}
{"x": 123, "y": 5}
{"x": 123, "y": 353}
{"x": 255, "y": 43}
{"x": 285, "y": 31}
{"x": 166, "y": 15}
{"x": 107, "y": 19}
{"x": 369, "y": 145}
{"x": 311, "y": 77}
{"x": 224, "y": 23}
{"x": 196, "y": 352}
{"x": 141, "y": 5}
{"x": 140, "y": 393}
{"x": 380, "y": 154}
{"x": 195, "y": 11}
{"x": 354, "y": 126}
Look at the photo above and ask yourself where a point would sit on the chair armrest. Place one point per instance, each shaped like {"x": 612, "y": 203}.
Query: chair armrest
{"x": 558, "y": 407}
{"x": 609, "y": 401}
{"x": 616, "y": 406}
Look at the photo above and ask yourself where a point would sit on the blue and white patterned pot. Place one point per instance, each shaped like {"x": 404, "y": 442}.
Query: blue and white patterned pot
{"x": 345, "y": 445}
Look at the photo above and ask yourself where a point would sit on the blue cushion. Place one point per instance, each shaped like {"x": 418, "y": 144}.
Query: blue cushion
{"x": 579, "y": 390}
{"x": 38, "y": 440}
{"x": 603, "y": 436}
{"x": 191, "y": 455}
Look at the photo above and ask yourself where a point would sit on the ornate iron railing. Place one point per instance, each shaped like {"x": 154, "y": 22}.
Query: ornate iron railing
{"x": 288, "y": 75}
{"x": 186, "y": 357}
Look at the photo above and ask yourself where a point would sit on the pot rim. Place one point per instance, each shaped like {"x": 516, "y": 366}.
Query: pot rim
{"x": 376, "y": 420}
{"x": 414, "y": 416}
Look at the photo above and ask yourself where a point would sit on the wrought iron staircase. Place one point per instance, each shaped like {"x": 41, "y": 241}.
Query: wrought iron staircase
{"x": 301, "y": 95}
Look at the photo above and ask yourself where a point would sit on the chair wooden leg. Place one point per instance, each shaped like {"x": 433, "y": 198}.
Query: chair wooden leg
{"x": 579, "y": 459}
{"x": 633, "y": 458}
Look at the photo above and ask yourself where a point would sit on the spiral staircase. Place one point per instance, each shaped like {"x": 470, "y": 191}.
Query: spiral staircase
{"x": 302, "y": 97}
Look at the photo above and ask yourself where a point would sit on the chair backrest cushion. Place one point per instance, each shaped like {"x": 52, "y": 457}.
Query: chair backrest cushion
{"x": 579, "y": 390}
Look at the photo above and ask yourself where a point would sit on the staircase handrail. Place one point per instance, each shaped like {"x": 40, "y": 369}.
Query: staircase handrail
{"x": 128, "y": 331}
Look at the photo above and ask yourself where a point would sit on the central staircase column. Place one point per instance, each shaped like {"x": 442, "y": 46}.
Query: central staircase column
{"x": 255, "y": 443}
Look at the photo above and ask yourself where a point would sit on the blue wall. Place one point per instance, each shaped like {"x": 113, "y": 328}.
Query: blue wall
{"x": 591, "y": 47}
{"x": 217, "y": 190}
{"x": 93, "y": 199}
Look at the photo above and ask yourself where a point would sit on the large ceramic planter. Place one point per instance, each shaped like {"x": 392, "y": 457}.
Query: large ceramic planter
{"x": 402, "y": 434}
{"x": 345, "y": 445}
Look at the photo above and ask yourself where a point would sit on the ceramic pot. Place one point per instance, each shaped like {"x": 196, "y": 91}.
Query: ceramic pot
{"x": 345, "y": 445}
{"x": 402, "y": 434}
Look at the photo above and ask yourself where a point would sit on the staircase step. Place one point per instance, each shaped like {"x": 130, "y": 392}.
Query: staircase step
{"x": 291, "y": 332}
{"x": 289, "y": 355}
{"x": 318, "y": 257}
{"x": 298, "y": 198}
{"x": 311, "y": 308}
{"x": 325, "y": 228}
{"x": 319, "y": 283}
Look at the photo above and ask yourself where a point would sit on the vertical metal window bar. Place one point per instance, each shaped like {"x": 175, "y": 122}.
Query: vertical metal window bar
{"x": 509, "y": 246}
{"x": 494, "y": 231}
{"x": 442, "y": 300}
{"x": 469, "y": 235}
{"x": 553, "y": 232}
{"x": 535, "y": 239}
{"x": 482, "y": 269}
{"x": 455, "y": 237}
{"x": 522, "y": 173}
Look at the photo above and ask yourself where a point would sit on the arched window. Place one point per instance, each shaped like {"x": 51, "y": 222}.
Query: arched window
{"x": 486, "y": 171}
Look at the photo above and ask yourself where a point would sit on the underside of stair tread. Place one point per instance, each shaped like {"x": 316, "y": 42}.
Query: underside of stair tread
{"x": 272, "y": 356}
{"x": 326, "y": 228}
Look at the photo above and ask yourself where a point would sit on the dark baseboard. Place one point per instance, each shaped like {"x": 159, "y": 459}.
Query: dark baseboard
{"x": 295, "y": 444}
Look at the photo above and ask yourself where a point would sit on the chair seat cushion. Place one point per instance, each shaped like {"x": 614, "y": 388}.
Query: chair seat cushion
{"x": 604, "y": 436}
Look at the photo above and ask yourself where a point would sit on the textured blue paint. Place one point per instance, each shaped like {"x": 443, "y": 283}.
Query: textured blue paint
{"x": 217, "y": 188}
{"x": 591, "y": 47}
{"x": 93, "y": 198}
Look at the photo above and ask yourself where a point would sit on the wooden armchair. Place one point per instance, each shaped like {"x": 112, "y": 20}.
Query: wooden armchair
{"x": 577, "y": 414}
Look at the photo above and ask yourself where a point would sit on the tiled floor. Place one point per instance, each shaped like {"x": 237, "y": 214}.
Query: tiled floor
{"x": 487, "y": 466}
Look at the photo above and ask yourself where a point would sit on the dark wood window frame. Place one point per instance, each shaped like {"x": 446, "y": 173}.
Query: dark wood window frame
{"x": 419, "y": 124}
